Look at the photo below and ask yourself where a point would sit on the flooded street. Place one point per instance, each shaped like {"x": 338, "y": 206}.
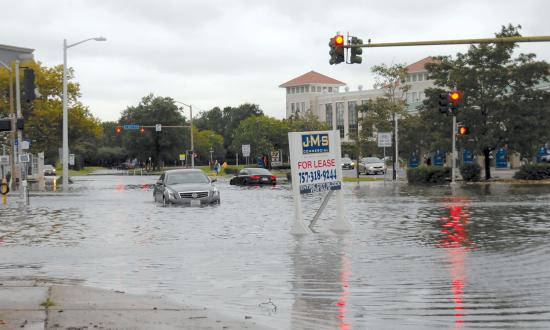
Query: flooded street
{"x": 472, "y": 257}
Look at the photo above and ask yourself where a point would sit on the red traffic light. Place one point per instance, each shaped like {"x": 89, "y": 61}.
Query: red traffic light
{"x": 463, "y": 130}
{"x": 339, "y": 40}
{"x": 455, "y": 96}
{"x": 118, "y": 130}
{"x": 142, "y": 130}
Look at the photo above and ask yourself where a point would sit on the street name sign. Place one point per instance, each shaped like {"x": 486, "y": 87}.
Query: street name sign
{"x": 131, "y": 126}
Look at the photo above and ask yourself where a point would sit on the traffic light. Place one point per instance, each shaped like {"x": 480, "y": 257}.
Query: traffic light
{"x": 118, "y": 130}
{"x": 5, "y": 124}
{"x": 356, "y": 51}
{"x": 142, "y": 130}
{"x": 28, "y": 85}
{"x": 455, "y": 97}
{"x": 462, "y": 129}
{"x": 444, "y": 103}
{"x": 336, "y": 45}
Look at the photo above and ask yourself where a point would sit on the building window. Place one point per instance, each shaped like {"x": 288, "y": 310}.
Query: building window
{"x": 307, "y": 89}
{"x": 288, "y": 90}
{"x": 340, "y": 118}
{"x": 352, "y": 118}
{"x": 328, "y": 114}
{"x": 302, "y": 89}
{"x": 330, "y": 89}
{"x": 318, "y": 88}
{"x": 292, "y": 108}
{"x": 426, "y": 76}
{"x": 414, "y": 77}
{"x": 303, "y": 106}
{"x": 409, "y": 78}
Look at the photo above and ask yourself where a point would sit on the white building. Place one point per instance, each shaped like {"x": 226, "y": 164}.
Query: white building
{"x": 321, "y": 95}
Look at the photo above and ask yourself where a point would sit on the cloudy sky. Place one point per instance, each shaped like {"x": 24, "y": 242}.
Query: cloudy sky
{"x": 225, "y": 53}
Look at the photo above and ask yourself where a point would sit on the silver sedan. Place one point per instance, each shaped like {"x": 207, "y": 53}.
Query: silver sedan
{"x": 187, "y": 186}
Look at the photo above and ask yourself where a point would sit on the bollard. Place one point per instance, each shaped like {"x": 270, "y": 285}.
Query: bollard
{"x": 4, "y": 190}
{"x": 25, "y": 191}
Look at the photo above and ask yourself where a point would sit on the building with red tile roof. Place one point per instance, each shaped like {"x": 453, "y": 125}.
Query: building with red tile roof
{"x": 321, "y": 95}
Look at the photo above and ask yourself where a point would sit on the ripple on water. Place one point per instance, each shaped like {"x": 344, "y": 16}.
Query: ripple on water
{"x": 417, "y": 258}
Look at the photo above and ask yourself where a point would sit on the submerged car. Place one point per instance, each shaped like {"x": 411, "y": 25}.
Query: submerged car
{"x": 372, "y": 165}
{"x": 49, "y": 170}
{"x": 347, "y": 163}
{"x": 186, "y": 186}
{"x": 252, "y": 175}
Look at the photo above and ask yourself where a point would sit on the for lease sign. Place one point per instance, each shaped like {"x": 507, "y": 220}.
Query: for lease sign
{"x": 315, "y": 161}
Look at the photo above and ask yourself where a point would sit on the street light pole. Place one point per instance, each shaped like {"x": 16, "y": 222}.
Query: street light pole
{"x": 191, "y": 124}
{"x": 65, "y": 111}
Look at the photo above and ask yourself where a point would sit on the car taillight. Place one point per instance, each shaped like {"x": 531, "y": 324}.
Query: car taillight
{"x": 273, "y": 178}
{"x": 254, "y": 177}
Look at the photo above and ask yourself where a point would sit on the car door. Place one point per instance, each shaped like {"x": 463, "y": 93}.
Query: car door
{"x": 158, "y": 191}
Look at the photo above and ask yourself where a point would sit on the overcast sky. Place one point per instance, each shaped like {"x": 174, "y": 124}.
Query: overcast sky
{"x": 225, "y": 53}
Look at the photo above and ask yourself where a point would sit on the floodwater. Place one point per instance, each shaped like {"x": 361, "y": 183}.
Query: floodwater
{"x": 473, "y": 257}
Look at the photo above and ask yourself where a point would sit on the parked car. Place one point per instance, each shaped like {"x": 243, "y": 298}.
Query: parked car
{"x": 186, "y": 186}
{"x": 545, "y": 159}
{"x": 372, "y": 165}
{"x": 49, "y": 170}
{"x": 347, "y": 163}
{"x": 253, "y": 175}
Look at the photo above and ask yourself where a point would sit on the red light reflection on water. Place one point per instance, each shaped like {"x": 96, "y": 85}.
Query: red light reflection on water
{"x": 455, "y": 241}
{"x": 342, "y": 303}
{"x": 119, "y": 187}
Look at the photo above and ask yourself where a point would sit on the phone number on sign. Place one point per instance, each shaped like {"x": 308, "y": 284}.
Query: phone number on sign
{"x": 317, "y": 176}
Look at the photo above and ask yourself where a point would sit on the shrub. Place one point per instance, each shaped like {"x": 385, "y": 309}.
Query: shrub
{"x": 471, "y": 172}
{"x": 230, "y": 169}
{"x": 533, "y": 172}
{"x": 428, "y": 175}
{"x": 284, "y": 166}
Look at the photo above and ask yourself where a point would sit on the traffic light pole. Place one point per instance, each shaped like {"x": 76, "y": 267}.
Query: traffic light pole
{"x": 453, "y": 157}
{"x": 455, "y": 42}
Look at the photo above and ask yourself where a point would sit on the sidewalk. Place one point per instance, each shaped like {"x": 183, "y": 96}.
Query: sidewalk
{"x": 77, "y": 307}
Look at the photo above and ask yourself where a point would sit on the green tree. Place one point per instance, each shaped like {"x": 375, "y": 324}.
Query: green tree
{"x": 160, "y": 146}
{"x": 226, "y": 122}
{"x": 379, "y": 115}
{"x": 262, "y": 133}
{"x": 500, "y": 104}
{"x": 207, "y": 140}
{"x": 43, "y": 117}
{"x": 307, "y": 122}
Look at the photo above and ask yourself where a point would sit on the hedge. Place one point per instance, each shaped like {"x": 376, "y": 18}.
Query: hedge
{"x": 429, "y": 175}
{"x": 533, "y": 172}
{"x": 471, "y": 172}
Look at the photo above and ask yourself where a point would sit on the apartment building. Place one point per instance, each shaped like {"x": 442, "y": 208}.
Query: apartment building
{"x": 322, "y": 96}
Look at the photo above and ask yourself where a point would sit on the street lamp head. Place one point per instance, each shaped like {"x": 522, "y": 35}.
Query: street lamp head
{"x": 100, "y": 39}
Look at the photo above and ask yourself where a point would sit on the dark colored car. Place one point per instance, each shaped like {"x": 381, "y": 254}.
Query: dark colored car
{"x": 254, "y": 176}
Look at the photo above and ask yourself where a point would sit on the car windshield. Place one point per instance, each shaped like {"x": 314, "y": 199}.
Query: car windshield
{"x": 186, "y": 177}
{"x": 48, "y": 167}
{"x": 346, "y": 160}
{"x": 255, "y": 171}
{"x": 370, "y": 160}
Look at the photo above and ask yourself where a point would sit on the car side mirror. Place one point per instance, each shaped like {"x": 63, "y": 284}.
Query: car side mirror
{"x": 213, "y": 179}
{"x": 159, "y": 183}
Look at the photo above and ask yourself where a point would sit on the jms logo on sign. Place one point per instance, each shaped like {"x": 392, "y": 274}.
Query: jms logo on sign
{"x": 315, "y": 143}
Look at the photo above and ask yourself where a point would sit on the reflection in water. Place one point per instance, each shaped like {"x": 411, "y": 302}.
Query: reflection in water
{"x": 455, "y": 241}
{"x": 320, "y": 284}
